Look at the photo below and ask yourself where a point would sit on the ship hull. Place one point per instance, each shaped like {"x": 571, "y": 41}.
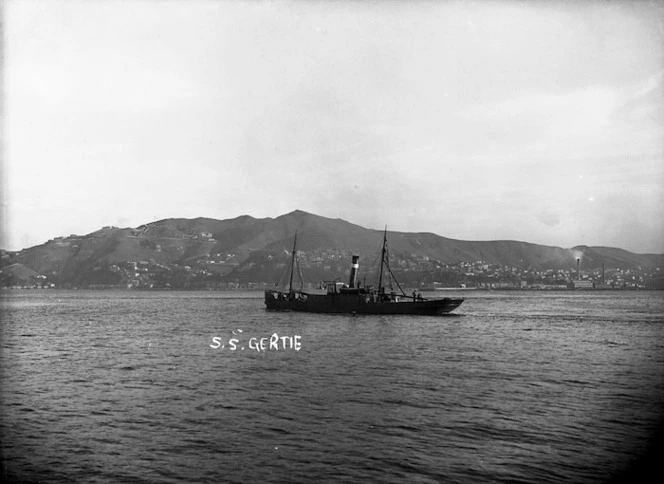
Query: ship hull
{"x": 356, "y": 304}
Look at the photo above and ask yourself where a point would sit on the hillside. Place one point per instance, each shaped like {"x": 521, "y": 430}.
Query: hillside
{"x": 247, "y": 249}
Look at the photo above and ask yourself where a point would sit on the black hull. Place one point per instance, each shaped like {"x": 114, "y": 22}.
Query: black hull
{"x": 354, "y": 304}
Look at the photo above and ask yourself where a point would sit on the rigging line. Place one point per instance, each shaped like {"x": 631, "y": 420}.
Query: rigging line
{"x": 371, "y": 269}
{"x": 290, "y": 284}
{"x": 386, "y": 261}
{"x": 299, "y": 273}
{"x": 395, "y": 280}
{"x": 389, "y": 270}
{"x": 382, "y": 260}
{"x": 284, "y": 272}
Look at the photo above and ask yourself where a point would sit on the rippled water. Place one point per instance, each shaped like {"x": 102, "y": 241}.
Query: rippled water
{"x": 517, "y": 387}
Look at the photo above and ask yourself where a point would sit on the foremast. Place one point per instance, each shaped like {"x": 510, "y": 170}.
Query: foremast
{"x": 385, "y": 261}
{"x": 382, "y": 262}
{"x": 290, "y": 284}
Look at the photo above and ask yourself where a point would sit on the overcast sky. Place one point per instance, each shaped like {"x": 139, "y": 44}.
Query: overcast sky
{"x": 474, "y": 120}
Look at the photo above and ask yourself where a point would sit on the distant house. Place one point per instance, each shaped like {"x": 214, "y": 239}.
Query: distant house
{"x": 585, "y": 284}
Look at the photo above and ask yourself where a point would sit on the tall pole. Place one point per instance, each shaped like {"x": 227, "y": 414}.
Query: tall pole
{"x": 290, "y": 285}
{"x": 382, "y": 261}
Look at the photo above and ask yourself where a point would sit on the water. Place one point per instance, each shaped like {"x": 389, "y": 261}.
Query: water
{"x": 518, "y": 387}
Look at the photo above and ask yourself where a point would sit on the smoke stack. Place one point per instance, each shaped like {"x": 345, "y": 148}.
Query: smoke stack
{"x": 353, "y": 271}
{"x": 578, "y": 269}
{"x": 603, "y": 273}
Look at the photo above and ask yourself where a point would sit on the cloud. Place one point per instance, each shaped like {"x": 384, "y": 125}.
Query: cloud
{"x": 579, "y": 111}
{"x": 548, "y": 218}
{"x": 643, "y": 88}
{"x": 110, "y": 86}
{"x": 576, "y": 113}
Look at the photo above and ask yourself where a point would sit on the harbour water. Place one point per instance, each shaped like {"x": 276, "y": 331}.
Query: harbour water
{"x": 115, "y": 386}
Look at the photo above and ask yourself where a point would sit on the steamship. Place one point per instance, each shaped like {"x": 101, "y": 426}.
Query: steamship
{"x": 353, "y": 298}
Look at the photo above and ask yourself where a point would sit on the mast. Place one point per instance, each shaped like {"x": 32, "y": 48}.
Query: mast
{"x": 382, "y": 261}
{"x": 290, "y": 285}
{"x": 386, "y": 262}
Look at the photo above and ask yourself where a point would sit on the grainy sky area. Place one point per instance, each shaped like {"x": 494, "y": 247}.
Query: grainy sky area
{"x": 533, "y": 121}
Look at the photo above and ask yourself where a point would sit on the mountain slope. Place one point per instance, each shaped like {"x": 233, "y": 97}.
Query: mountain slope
{"x": 226, "y": 247}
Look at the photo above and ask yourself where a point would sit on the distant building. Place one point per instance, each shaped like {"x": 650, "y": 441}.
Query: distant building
{"x": 585, "y": 284}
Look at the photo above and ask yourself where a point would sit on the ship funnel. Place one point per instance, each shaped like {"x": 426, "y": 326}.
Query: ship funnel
{"x": 353, "y": 271}
{"x": 578, "y": 269}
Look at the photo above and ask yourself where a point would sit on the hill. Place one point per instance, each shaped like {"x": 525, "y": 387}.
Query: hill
{"x": 246, "y": 249}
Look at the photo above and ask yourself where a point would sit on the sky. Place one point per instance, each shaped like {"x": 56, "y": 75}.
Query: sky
{"x": 534, "y": 121}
